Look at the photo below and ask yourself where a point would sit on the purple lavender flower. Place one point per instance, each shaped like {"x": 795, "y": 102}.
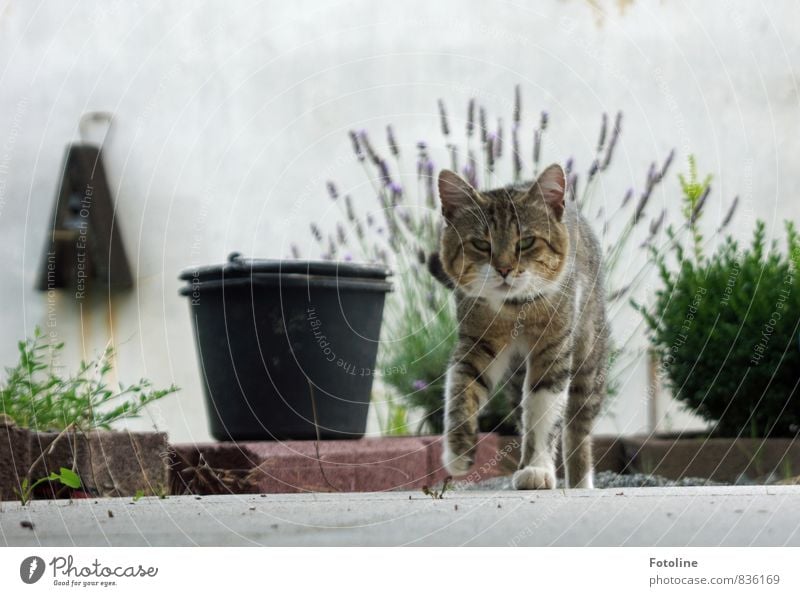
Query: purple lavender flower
{"x": 341, "y": 234}
{"x": 516, "y": 156}
{"x": 356, "y": 145}
{"x": 316, "y": 232}
{"x": 383, "y": 169}
{"x": 443, "y": 119}
{"x": 419, "y": 385}
{"x": 655, "y": 225}
{"x": 351, "y": 213}
{"x": 370, "y": 220}
{"x": 332, "y": 192}
{"x": 651, "y": 176}
{"x": 394, "y": 148}
{"x": 543, "y": 120}
{"x": 484, "y": 127}
{"x": 627, "y": 197}
{"x": 471, "y": 117}
{"x": 404, "y": 215}
{"x": 295, "y": 251}
{"x": 572, "y": 184}
{"x": 348, "y": 256}
{"x": 729, "y": 214}
{"x": 612, "y": 143}
{"x": 490, "y": 143}
{"x": 422, "y": 159}
{"x": 363, "y": 138}
{"x": 698, "y": 208}
{"x": 568, "y": 166}
{"x": 643, "y": 200}
{"x": 667, "y": 163}
{"x": 593, "y": 169}
{"x": 537, "y": 146}
{"x": 453, "y": 156}
{"x": 498, "y": 140}
{"x": 471, "y": 170}
{"x": 517, "y": 105}
{"x": 430, "y": 194}
{"x": 397, "y": 192}
{"x": 603, "y": 127}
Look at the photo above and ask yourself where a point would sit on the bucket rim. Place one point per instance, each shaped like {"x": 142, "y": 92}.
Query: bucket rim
{"x": 240, "y": 267}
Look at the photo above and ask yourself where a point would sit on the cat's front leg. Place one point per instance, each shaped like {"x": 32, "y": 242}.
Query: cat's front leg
{"x": 543, "y": 401}
{"x": 475, "y": 369}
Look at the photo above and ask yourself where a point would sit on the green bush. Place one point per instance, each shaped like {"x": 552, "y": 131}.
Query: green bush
{"x": 726, "y": 330}
{"x": 34, "y": 395}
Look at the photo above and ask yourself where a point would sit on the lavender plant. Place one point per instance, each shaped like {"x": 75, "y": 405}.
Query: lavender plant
{"x": 420, "y": 322}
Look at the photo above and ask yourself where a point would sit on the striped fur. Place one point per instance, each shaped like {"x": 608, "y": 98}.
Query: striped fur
{"x": 527, "y": 274}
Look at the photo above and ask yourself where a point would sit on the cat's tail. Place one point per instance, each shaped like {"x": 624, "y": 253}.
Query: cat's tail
{"x": 435, "y": 268}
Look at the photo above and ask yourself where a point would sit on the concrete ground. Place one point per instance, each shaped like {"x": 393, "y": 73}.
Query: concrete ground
{"x": 695, "y": 516}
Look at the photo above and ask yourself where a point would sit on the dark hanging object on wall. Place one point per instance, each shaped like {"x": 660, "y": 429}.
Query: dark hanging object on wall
{"x": 84, "y": 248}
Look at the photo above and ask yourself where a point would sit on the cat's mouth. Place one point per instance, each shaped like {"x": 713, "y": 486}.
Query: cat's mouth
{"x": 508, "y": 282}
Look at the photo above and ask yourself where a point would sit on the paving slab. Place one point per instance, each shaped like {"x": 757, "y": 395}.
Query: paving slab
{"x": 363, "y": 465}
{"x": 693, "y": 516}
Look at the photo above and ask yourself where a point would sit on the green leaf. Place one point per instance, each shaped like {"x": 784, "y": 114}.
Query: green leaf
{"x": 69, "y": 478}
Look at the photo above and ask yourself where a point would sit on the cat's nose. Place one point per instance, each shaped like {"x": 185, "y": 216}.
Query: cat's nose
{"x": 503, "y": 271}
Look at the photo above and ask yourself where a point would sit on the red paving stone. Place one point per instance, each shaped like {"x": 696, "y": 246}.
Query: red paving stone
{"x": 364, "y": 465}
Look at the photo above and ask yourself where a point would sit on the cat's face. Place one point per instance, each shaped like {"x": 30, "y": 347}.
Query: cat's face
{"x": 504, "y": 244}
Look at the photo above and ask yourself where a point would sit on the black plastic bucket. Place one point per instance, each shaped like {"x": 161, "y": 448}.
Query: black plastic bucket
{"x": 284, "y": 343}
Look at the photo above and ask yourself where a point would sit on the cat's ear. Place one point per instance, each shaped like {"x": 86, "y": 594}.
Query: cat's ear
{"x": 455, "y": 193}
{"x": 551, "y": 188}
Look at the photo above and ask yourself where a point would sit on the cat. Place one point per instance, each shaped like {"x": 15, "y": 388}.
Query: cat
{"x": 527, "y": 274}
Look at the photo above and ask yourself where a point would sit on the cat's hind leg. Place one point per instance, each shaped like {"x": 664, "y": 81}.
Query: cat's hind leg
{"x": 586, "y": 393}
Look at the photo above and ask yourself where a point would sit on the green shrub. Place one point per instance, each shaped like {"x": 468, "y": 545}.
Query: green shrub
{"x": 35, "y": 396}
{"x": 726, "y": 330}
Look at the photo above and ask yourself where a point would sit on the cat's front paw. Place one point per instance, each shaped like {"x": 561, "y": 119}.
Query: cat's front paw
{"x": 534, "y": 478}
{"x": 456, "y": 464}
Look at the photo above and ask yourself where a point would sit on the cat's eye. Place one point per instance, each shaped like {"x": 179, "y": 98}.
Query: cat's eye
{"x": 526, "y": 243}
{"x": 481, "y": 244}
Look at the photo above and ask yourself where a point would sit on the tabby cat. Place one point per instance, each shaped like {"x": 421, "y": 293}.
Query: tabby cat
{"x": 528, "y": 280}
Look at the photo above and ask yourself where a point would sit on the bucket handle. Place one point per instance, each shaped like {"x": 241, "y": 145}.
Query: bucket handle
{"x": 90, "y": 118}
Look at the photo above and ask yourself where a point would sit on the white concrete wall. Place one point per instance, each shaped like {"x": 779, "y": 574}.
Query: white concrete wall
{"x": 230, "y": 116}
